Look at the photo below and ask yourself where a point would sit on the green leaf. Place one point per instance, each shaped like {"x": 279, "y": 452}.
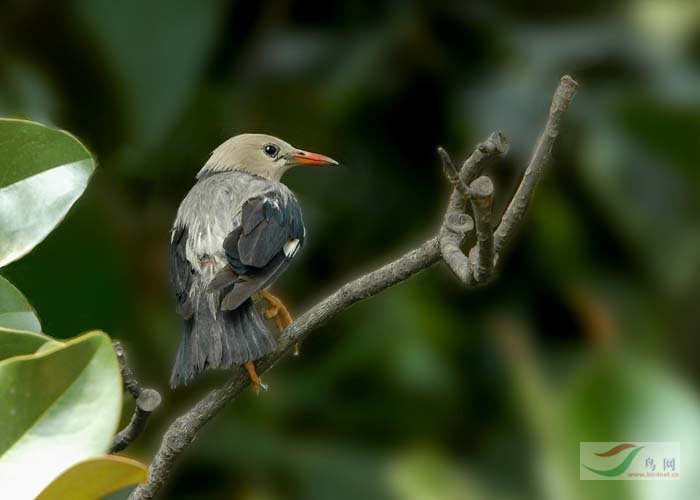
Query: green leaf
{"x": 95, "y": 478}
{"x": 43, "y": 171}
{"x": 15, "y": 310}
{"x": 18, "y": 342}
{"x": 57, "y": 407}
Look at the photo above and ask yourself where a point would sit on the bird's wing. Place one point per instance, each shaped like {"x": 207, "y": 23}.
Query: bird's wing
{"x": 180, "y": 272}
{"x": 259, "y": 249}
{"x": 269, "y": 222}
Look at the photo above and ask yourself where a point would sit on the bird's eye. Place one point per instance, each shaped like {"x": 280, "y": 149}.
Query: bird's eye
{"x": 271, "y": 150}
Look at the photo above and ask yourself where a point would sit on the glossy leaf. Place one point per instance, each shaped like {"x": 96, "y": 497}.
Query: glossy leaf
{"x": 57, "y": 407}
{"x": 43, "y": 171}
{"x": 19, "y": 342}
{"x": 95, "y": 478}
{"x": 15, "y": 310}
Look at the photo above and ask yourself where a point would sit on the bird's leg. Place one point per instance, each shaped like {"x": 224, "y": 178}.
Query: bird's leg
{"x": 276, "y": 308}
{"x": 254, "y": 378}
{"x": 279, "y": 314}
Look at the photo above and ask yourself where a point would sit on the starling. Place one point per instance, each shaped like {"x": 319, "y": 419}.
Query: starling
{"x": 235, "y": 233}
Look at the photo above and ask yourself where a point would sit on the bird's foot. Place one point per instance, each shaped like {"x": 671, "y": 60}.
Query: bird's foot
{"x": 276, "y": 309}
{"x": 254, "y": 378}
{"x": 278, "y": 312}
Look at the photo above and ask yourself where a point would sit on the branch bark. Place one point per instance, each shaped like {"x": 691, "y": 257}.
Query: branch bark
{"x": 482, "y": 202}
{"x": 444, "y": 246}
{"x": 147, "y": 400}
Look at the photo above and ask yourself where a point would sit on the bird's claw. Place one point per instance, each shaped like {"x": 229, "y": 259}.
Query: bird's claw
{"x": 255, "y": 378}
{"x": 259, "y": 386}
{"x": 277, "y": 312}
{"x": 272, "y": 311}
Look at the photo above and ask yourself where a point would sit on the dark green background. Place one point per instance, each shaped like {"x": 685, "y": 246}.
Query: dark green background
{"x": 427, "y": 389}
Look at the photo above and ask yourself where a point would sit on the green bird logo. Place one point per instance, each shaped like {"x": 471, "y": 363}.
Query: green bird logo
{"x": 623, "y": 466}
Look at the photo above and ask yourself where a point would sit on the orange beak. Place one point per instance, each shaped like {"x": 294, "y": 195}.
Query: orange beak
{"x": 301, "y": 157}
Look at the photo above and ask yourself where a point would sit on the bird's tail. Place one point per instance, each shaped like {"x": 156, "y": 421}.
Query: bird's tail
{"x": 220, "y": 339}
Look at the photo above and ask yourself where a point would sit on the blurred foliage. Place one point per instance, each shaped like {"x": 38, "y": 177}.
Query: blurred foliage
{"x": 600, "y": 290}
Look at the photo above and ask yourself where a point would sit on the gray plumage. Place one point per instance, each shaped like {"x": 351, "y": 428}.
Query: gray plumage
{"x": 228, "y": 243}
{"x": 235, "y": 233}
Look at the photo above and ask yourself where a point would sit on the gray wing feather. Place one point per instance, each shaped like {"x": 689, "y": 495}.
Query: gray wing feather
{"x": 262, "y": 244}
{"x": 265, "y": 230}
{"x": 180, "y": 272}
{"x": 247, "y": 285}
{"x": 255, "y": 249}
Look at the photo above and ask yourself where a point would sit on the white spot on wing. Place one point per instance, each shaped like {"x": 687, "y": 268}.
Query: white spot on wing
{"x": 290, "y": 248}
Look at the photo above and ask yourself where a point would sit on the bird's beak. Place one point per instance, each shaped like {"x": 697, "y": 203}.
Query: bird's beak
{"x": 301, "y": 157}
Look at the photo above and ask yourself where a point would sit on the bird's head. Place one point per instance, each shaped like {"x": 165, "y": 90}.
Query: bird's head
{"x": 261, "y": 155}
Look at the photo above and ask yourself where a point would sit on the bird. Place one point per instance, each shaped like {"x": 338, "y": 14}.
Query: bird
{"x": 235, "y": 233}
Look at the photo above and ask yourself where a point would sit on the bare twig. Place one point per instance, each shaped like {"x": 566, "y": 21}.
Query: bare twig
{"x": 128, "y": 378}
{"x": 451, "y": 172}
{"x": 518, "y": 205}
{"x": 446, "y": 246}
{"x": 147, "y": 400}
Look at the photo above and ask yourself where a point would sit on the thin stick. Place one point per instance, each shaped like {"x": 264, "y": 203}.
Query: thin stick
{"x": 147, "y": 400}
{"x": 516, "y": 209}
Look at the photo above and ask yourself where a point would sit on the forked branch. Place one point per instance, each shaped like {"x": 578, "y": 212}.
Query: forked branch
{"x": 474, "y": 268}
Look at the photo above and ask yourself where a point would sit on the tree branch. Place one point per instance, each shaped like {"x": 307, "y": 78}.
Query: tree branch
{"x": 446, "y": 246}
{"x": 518, "y": 205}
{"x": 183, "y": 430}
{"x": 147, "y": 400}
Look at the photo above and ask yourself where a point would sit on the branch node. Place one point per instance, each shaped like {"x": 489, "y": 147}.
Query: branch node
{"x": 482, "y": 191}
{"x": 148, "y": 400}
{"x": 459, "y": 223}
{"x": 452, "y": 234}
